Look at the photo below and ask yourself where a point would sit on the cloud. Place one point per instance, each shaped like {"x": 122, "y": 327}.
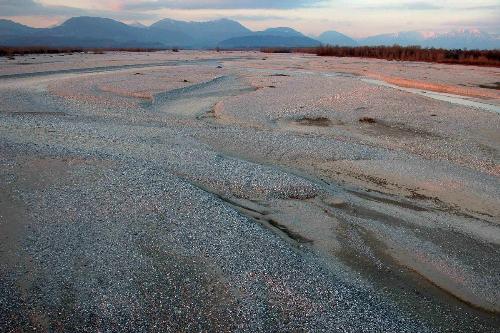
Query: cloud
{"x": 30, "y": 7}
{"x": 20, "y": 8}
{"x": 492, "y": 7}
{"x": 413, "y": 5}
{"x": 420, "y": 5}
{"x": 258, "y": 17}
{"x": 221, "y": 4}
{"x": 145, "y": 10}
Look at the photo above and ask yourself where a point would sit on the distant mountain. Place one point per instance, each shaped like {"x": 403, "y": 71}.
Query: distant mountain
{"x": 203, "y": 34}
{"x": 336, "y": 38}
{"x": 138, "y": 25}
{"x": 11, "y": 28}
{"x": 259, "y": 41}
{"x": 459, "y": 39}
{"x": 281, "y": 31}
{"x": 115, "y": 33}
{"x": 96, "y": 28}
{"x": 272, "y": 37}
{"x": 78, "y": 32}
{"x": 466, "y": 38}
{"x": 400, "y": 38}
{"x": 103, "y": 32}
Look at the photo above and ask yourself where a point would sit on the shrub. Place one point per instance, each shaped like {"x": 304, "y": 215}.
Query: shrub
{"x": 411, "y": 53}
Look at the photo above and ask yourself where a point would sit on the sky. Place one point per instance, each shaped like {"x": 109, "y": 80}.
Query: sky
{"x": 356, "y": 18}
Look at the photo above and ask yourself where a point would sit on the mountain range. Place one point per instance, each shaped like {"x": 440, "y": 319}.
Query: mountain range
{"x": 458, "y": 39}
{"x": 224, "y": 33}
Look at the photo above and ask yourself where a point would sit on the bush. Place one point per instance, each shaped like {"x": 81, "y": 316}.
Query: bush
{"x": 411, "y": 53}
{"x": 277, "y": 50}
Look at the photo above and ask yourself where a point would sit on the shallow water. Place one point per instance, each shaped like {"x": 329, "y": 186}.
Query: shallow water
{"x": 454, "y": 99}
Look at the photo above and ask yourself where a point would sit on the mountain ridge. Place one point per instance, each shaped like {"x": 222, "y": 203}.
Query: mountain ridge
{"x": 332, "y": 37}
{"x": 103, "y": 32}
{"x": 455, "y": 39}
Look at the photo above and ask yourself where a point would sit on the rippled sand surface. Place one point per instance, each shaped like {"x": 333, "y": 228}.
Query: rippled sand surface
{"x": 241, "y": 191}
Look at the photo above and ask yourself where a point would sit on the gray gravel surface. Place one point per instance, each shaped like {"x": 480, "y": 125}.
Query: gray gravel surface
{"x": 192, "y": 198}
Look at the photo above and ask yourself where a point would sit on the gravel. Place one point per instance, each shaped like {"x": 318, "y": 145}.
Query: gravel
{"x": 128, "y": 204}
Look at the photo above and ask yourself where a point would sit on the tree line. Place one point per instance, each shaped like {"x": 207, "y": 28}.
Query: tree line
{"x": 7, "y": 51}
{"x": 403, "y": 53}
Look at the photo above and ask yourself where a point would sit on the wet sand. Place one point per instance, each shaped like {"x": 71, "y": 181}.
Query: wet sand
{"x": 240, "y": 191}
